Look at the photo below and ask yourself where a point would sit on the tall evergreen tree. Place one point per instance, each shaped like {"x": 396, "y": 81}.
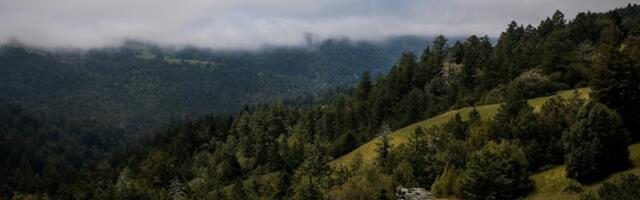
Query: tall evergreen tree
{"x": 410, "y": 108}
{"x": 503, "y": 124}
{"x": 383, "y": 152}
{"x": 421, "y": 154}
{"x": 456, "y": 52}
{"x": 615, "y": 79}
{"x": 310, "y": 176}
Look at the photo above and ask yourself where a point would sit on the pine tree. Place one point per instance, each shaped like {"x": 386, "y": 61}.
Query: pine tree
{"x": 555, "y": 118}
{"x": 401, "y": 75}
{"x": 556, "y": 51}
{"x": 503, "y": 124}
{"x": 615, "y": 82}
{"x": 309, "y": 180}
{"x": 421, "y": 154}
{"x": 439, "y": 48}
{"x": 241, "y": 129}
{"x": 410, "y": 108}
{"x": 383, "y": 152}
{"x": 456, "y": 52}
{"x": 471, "y": 61}
{"x": 417, "y": 147}
{"x": 596, "y": 144}
{"x": 558, "y": 20}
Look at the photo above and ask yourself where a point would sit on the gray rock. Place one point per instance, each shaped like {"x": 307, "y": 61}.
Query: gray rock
{"x": 413, "y": 194}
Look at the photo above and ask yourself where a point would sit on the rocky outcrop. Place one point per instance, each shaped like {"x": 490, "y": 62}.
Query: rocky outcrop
{"x": 413, "y": 194}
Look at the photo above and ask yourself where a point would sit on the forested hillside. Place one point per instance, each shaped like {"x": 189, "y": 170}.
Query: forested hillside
{"x": 138, "y": 86}
{"x": 401, "y": 136}
{"x": 275, "y": 151}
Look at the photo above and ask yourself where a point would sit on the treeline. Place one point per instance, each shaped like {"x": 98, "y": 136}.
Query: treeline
{"x": 278, "y": 152}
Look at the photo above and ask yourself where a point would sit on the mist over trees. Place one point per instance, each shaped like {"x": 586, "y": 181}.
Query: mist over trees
{"x": 284, "y": 151}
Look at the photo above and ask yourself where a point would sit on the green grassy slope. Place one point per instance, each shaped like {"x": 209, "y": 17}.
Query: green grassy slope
{"x": 550, "y": 184}
{"x": 486, "y": 111}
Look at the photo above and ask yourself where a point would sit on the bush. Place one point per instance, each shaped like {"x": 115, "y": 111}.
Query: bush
{"x": 532, "y": 84}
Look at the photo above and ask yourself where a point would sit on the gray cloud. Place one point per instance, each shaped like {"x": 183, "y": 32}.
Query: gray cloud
{"x": 252, "y": 23}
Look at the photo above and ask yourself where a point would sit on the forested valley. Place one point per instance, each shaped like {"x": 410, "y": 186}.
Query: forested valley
{"x": 278, "y": 141}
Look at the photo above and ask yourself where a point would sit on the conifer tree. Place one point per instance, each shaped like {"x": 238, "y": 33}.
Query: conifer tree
{"x": 596, "y": 144}
{"x": 383, "y": 152}
{"x": 497, "y": 171}
{"x": 615, "y": 82}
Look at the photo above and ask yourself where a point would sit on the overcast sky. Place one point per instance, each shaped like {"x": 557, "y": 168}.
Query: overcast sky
{"x": 252, "y": 23}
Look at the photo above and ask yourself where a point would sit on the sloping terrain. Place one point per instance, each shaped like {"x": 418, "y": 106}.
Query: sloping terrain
{"x": 486, "y": 111}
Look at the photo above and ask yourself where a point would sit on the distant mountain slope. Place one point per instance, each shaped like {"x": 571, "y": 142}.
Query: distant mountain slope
{"x": 138, "y": 85}
{"x": 486, "y": 111}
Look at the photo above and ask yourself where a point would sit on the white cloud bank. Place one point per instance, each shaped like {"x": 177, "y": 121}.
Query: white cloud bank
{"x": 252, "y": 23}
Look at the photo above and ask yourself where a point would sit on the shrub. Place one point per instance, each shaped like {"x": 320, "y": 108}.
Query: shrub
{"x": 531, "y": 84}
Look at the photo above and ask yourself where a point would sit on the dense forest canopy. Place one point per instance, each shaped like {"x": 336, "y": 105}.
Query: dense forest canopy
{"x": 276, "y": 151}
{"x": 138, "y": 86}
